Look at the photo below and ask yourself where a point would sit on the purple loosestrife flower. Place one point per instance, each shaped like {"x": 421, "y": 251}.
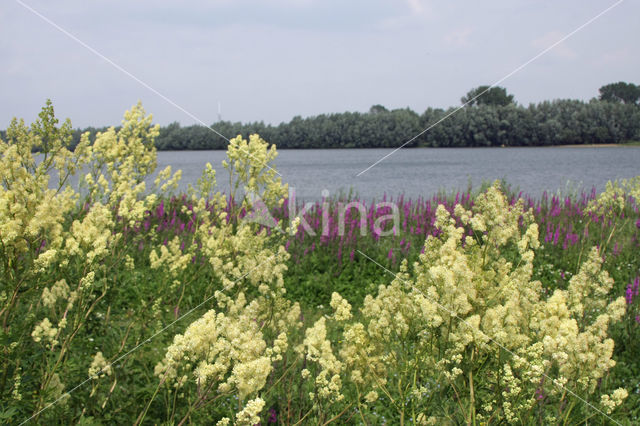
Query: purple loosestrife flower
{"x": 629, "y": 294}
{"x": 42, "y": 245}
{"x": 616, "y": 249}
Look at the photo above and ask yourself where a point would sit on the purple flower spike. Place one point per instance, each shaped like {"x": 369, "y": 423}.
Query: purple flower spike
{"x": 616, "y": 249}
{"x": 273, "y": 418}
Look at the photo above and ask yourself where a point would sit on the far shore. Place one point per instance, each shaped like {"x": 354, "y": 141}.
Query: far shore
{"x": 595, "y": 145}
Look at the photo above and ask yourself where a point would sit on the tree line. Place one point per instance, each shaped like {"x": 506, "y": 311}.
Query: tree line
{"x": 487, "y": 117}
{"x": 558, "y": 122}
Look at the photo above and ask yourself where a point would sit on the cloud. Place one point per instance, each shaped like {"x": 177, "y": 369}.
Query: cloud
{"x": 415, "y": 6}
{"x": 562, "y": 50}
{"x": 615, "y": 57}
{"x": 459, "y": 37}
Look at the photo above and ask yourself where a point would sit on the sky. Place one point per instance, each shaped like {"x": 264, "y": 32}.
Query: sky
{"x": 271, "y": 60}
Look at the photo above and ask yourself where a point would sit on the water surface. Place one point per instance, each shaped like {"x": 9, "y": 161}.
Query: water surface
{"x": 425, "y": 171}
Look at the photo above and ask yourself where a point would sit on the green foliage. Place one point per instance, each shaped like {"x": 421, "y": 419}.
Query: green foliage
{"x": 627, "y": 93}
{"x": 487, "y": 123}
{"x": 487, "y": 95}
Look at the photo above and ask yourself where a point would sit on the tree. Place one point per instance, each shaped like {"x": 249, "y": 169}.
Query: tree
{"x": 627, "y": 93}
{"x": 487, "y": 95}
{"x": 378, "y": 109}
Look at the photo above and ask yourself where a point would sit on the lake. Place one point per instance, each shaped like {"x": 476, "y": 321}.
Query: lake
{"x": 425, "y": 171}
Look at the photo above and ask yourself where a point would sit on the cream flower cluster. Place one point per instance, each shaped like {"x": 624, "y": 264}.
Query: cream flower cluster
{"x": 250, "y": 163}
{"x": 46, "y": 234}
{"x": 611, "y": 202}
{"x": 465, "y": 303}
{"x": 341, "y": 306}
{"x": 121, "y": 160}
{"x": 45, "y": 331}
{"x": 99, "y": 366}
{"x": 235, "y": 252}
{"x": 227, "y": 350}
{"x": 318, "y": 349}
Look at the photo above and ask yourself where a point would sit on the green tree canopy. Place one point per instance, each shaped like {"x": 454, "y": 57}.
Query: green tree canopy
{"x": 378, "y": 109}
{"x": 487, "y": 95}
{"x": 627, "y": 93}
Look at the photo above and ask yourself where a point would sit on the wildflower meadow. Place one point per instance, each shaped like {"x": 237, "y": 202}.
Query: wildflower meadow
{"x": 127, "y": 302}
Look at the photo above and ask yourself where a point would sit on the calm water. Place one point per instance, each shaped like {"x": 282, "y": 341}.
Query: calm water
{"x": 425, "y": 171}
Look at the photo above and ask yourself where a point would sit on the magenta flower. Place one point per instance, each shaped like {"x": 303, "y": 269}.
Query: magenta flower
{"x": 616, "y": 249}
{"x": 632, "y": 290}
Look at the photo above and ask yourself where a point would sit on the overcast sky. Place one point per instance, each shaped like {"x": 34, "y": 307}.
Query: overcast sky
{"x": 271, "y": 60}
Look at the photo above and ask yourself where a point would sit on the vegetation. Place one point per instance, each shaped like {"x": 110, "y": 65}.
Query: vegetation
{"x": 123, "y": 305}
{"x": 487, "y": 95}
{"x": 491, "y": 118}
{"x": 627, "y": 93}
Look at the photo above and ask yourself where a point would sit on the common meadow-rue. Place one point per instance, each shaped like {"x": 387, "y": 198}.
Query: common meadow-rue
{"x": 463, "y": 334}
{"x": 58, "y": 244}
{"x": 463, "y": 305}
{"x": 99, "y": 366}
{"x": 231, "y": 349}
